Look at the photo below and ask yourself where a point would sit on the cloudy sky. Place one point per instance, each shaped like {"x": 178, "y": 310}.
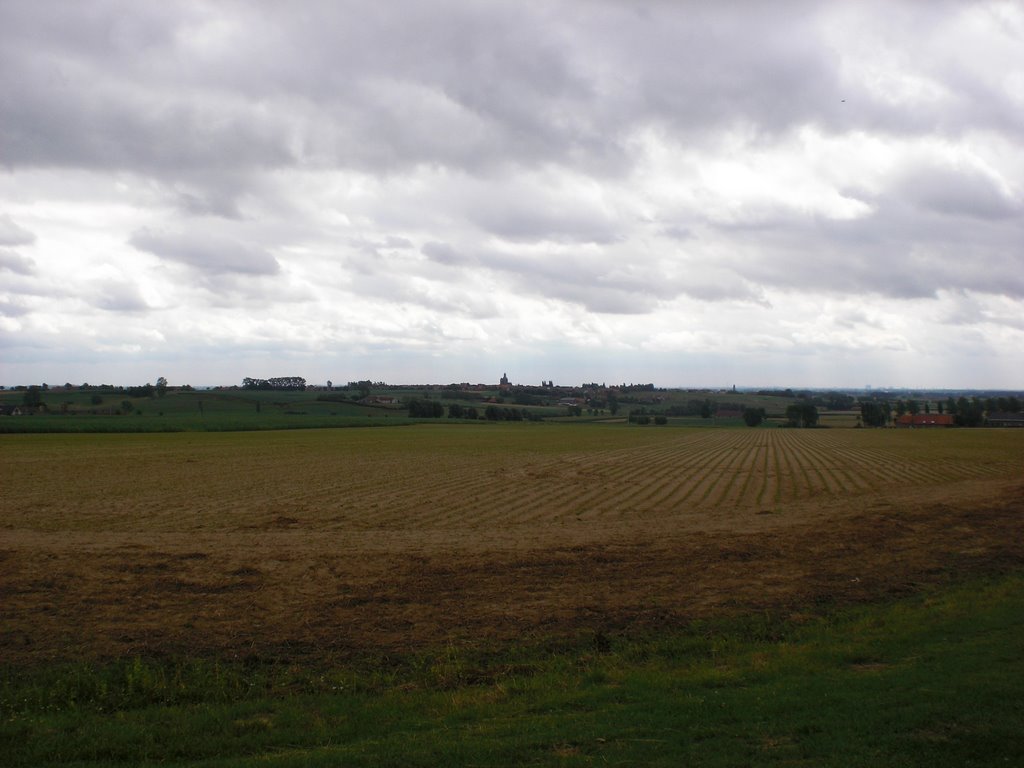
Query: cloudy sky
{"x": 690, "y": 194}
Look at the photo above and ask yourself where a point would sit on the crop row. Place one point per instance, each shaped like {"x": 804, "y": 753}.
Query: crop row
{"x": 706, "y": 471}
{"x": 471, "y": 477}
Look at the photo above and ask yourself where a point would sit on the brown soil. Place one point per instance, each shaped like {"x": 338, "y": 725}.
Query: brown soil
{"x": 289, "y": 589}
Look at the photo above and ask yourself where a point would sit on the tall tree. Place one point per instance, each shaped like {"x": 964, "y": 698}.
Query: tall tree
{"x": 802, "y": 414}
{"x": 752, "y": 417}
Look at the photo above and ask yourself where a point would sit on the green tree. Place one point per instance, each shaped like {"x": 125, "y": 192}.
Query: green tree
{"x": 32, "y": 398}
{"x": 874, "y": 414}
{"x": 970, "y": 413}
{"x": 802, "y": 414}
{"x": 425, "y": 409}
{"x": 753, "y": 417}
{"x": 161, "y": 387}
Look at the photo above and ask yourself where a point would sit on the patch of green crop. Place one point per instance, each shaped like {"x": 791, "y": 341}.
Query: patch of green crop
{"x": 933, "y": 680}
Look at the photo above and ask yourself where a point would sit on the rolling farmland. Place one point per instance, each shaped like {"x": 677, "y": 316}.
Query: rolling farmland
{"x": 331, "y": 542}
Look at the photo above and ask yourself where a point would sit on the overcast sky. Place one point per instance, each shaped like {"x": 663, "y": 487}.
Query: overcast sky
{"x": 689, "y": 194}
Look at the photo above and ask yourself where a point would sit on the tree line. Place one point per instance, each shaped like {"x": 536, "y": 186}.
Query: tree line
{"x": 965, "y": 413}
{"x": 433, "y": 409}
{"x": 287, "y": 383}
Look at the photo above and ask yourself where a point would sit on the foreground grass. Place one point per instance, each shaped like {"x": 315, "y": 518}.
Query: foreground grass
{"x": 930, "y": 681}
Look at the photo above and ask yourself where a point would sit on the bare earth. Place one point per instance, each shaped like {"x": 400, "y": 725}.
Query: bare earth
{"x": 316, "y": 583}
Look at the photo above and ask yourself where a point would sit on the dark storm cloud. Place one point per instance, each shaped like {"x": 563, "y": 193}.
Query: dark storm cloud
{"x": 212, "y": 254}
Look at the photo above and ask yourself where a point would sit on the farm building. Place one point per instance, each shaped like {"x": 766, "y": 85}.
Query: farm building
{"x": 924, "y": 420}
{"x": 1001, "y": 419}
{"x": 380, "y": 400}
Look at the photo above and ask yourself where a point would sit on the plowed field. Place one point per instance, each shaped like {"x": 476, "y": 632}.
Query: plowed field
{"x": 349, "y": 541}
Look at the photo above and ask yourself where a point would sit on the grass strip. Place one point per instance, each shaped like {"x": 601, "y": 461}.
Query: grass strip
{"x": 932, "y": 680}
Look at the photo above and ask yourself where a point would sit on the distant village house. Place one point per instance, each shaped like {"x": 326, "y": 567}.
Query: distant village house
{"x": 924, "y": 420}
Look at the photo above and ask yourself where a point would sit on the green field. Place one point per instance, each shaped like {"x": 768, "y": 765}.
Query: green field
{"x": 186, "y": 411}
{"x": 230, "y": 409}
{"x": 931, "y": 681}
{"x": 224, "y": 410}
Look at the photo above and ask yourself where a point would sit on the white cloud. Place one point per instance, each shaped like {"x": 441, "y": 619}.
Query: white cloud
{"x": 206, "y": 253}
{"x": 566, "y": 184}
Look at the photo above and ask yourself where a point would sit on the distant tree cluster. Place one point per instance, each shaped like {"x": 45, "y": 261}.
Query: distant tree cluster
{"x": 643, "y": 416}
{"x": 966, "y": 413}
{"x": 802, "y": 414}
{"x": 495, "y": 413}
{"x": 835, "y": 401}
{"x": 1005, "y": 404}
{"x": 292, "y": 383}
{"x": 635, "y": 387}
{"x": 459, "y": 411}
{"x": 146, "y": 390}
{"x": 875, "y": 413}
{"x": 332, "y": 397}
{"x": 753, "y": 417}
{"x": 362, "y": 387}
{"x": 32, "y": 397}
{"x": 425, "y": 409}
{"x": 703, "y": 408}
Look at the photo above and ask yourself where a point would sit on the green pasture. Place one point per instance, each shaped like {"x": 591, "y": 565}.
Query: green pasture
{"x": 932, "y": 680}
{"x": 106, "y": 410}
{"x": 185, "y": 411}
{"x": 220, "y": 410}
